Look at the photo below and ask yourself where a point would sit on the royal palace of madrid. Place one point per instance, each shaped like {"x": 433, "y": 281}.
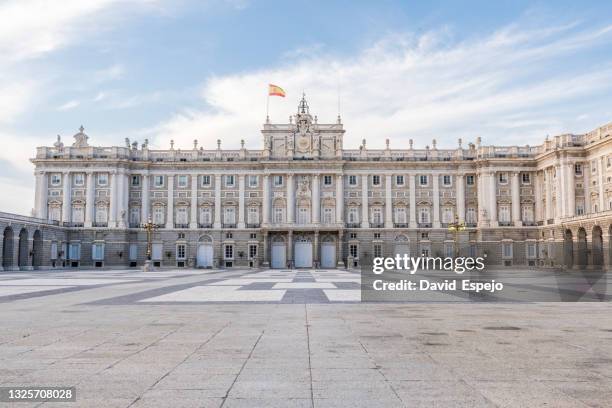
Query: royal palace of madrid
{"x": 303, "y": 200}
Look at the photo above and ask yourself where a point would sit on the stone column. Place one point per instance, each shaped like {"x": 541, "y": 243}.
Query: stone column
{"x": 121, "y": 207}
{"x": 436, "y": 200}
{"x": 170, "y": 204}
{"x": 388, "y": 202}
{"x": 316, "y": 249}
{"x": 112, "y": 221}
{"x": 66, "y": 199}
{"x": 316, "y": 199}
{"x": 339, "y": 199}
{"x": 586, "y": 175}
{"x": 460, "y": 196}
{"x": 413, "y": 214}
{"x": 558, "y": 192}
{"x": 217, "y": 223}
{"x": 547, "y": 195}
{"x": 290, "y": 199}
{"x": 90, "y": 200}
{"x": 42, "y": 184}
{"x": 481, "y": 196}
{"x": 266, "y": 199}
{"x": 290, "y": 247}
{"x": 516, "y": 199}
{"x": 365, "y": 213}
{"x": 241, "y": 201}
{"x": 537, "y": 191}
{"x": 144, "y": 197}
{"x": 193, "y": 216}
{"x": 493, "y": 199}
{"x": 600, "y": 183}
{"x": 266, "y": 257}
{"x": 339, "y": 248}
{"x": 570, "y": 186}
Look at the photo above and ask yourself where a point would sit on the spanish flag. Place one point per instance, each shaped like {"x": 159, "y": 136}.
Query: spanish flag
{"x": 274, "y": 90}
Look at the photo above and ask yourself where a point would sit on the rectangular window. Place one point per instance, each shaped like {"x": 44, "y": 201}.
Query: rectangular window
{"x": 400, "y": 215}
{"x": 182, "y": 181}
{"x": 376, "y": 180}
{"x": 449, "y": 249}
{"x": 353, "y": 250}
{"x": 253, "y": 215}
{"x": 135, "y": 180}
{"x": 327, "y": 180}
{"x": 446, "y": 180}
{"x": 229, "y": 252}
{"x": 503, "y": 178}
{"x": 399, "y": 180}
{"x": 205, "y": 217}
{"x": 74, "y": 252}
{"x": 328, "y": 215}
{"x": 181, "y": 252}
{"x": 229, "y": 180}
{"x": 159, "y": 181}
{"x": 56, "y": 179}
{"x": 352, "y": 180}
{"x": 578, "y": 169}
{"x": 133, "y": 252}
{"x": 471, "y": 215}
{"x": 504, "y": 213}
{"x": 377, "y": 235}
{"x": 158, "y": 215}
{"x": 423, "y": 180}
{"x": 253, "y": 181}
{"x": 303, "y": 215}
{"x": 103, "y": 179}
{"x": 531, "y": 250}
{"x": 156, "y": 252}
{"x": 469, "y": 179}
{"x": 377, "y": 250}
{"x": 97, "y": 251}
{"x": 507, "y": 250}
{"x": 279, "y": 215}
{"x": 229, "y": 215}
{"x": 79, "y": 179}
{"x": 353, "y": 215}
{"x": 181, "y": 216}
{"x": 205, "y": 181}
{"x": 526, "y": 178}
{"x": 447, "y": 215}
{"x": 278, "y": 181}
{"x": 252, "y": 251}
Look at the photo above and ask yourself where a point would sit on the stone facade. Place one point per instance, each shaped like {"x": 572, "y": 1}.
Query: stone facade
{"x": 306, "y": 200}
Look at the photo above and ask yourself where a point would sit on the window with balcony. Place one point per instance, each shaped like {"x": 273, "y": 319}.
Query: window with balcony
{"x": 303, "y": 215}
{"x": 229, "y": 216}
{"x": 400, "y": 215}
{"x": 253, "y": 215}
{"x": 78, "y": 214}
{"x": 377, "y": 217}
{"x": 182, "y": 218}
{"x": 504, "y": 214}
{"x": 424, "y": 215}
{"x": 328, "y": 215}
{"x": 205, "y": 216}
{"x": 101, "y": 214}
{"x": 158, "y": 215}
{"x": 279, "y": 215}
{"x": 470, "y": 216}
{"x": 353, "y": 215}
{"x": 447, "y": 215}
{"x": 134, "y": 217}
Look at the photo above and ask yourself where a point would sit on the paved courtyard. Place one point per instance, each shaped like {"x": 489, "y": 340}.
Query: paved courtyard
{"x": 272, "y": 338}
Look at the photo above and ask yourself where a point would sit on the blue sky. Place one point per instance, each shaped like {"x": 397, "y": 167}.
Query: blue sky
{"x": 510, "y": 71}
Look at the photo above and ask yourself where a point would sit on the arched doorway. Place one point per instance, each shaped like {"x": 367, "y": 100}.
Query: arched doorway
{"x": 568, "y": 249}
{"x": 597, "y": 243}
{"x": 279, "y": 253}
{"x": 205, "y": 252}
{"x": 328, "y": 252}
{"x": 23, "y": 255}
{"x": 37, "y": 248}
{"x": 582, "y": 249}
{"x": 7, "y": 248}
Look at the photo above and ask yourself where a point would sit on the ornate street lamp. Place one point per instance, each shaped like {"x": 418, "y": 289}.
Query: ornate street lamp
{"x": 149, "y": 227}
{"x": 456, "y": 227}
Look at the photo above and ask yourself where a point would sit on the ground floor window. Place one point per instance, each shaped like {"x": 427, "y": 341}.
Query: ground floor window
{"x": 252, "y": 251}
{"x": 97, "y": 251}
{"x": 74, "y": 252}
{"x": 181, "y": 251}
{"x": 507, "y": 249}
{"x": 353, "y": 250}
{"x": 377, "y": 250}
{"x": 531, "y": 250}
{"x": 133, "y": 252}
{"x": 229, "y": 252}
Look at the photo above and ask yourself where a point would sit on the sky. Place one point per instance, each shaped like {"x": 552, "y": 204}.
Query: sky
{"x": 510, "y": 72}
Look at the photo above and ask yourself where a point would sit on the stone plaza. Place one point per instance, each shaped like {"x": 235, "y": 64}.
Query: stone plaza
{"x": 284, "y": 338}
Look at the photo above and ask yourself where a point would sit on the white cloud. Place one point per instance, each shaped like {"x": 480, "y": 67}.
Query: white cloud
{"x": 115, "y": 71}
{"x": 68, "y": 105}
{"x": 502, "y": 87}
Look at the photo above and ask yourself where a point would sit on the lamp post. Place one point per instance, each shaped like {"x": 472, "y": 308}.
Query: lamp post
{"x": 149, "y": 227}
{"x": 456, "y": 227}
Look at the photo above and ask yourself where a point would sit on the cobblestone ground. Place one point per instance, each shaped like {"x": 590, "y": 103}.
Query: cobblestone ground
{"x": 190, "y": 338}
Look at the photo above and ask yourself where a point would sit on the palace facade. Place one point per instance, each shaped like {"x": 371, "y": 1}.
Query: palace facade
{"x": 304, "y": 200}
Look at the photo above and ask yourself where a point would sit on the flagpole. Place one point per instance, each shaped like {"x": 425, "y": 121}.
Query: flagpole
{"x": 268, "y": 106}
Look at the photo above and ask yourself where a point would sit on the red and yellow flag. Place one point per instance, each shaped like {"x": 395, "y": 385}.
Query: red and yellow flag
{"x": 274, "y": 90}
